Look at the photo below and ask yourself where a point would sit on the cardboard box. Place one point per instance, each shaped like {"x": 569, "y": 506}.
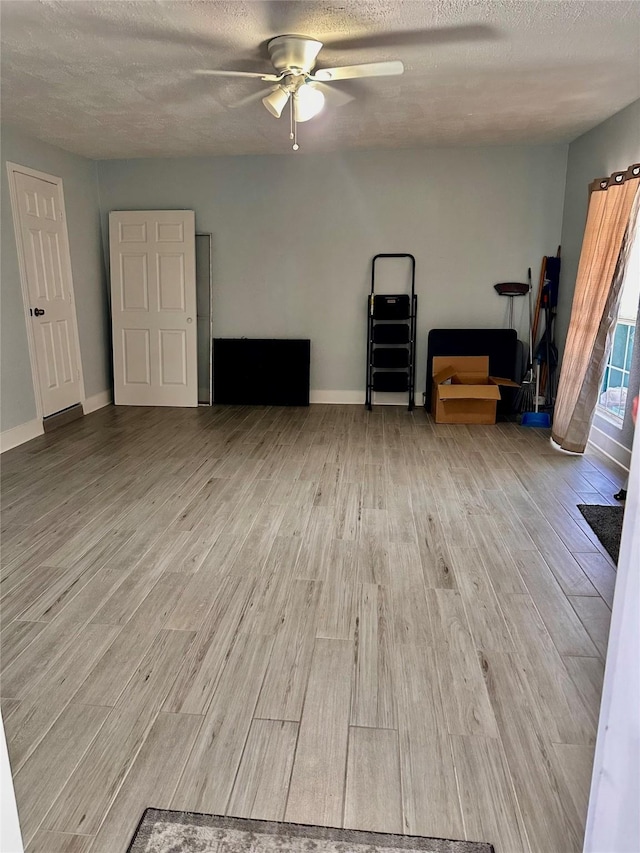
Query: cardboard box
{"x": 463, "y": 391}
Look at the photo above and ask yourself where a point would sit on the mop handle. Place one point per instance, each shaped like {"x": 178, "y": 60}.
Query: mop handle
{"x": 537, "y": 383}
{"x": 530, "y": 318}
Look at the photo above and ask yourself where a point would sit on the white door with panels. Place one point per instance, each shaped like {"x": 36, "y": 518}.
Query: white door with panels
{"x": 153, "y": 307}
{"x": 43, "y": 251}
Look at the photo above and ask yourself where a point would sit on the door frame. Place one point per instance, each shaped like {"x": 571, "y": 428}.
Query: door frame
{"x": 12, "y": 169}
{"x": 209, "y": 237}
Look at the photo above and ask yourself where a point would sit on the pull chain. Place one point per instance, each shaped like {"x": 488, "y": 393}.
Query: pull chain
{"x": 293, "y": 133}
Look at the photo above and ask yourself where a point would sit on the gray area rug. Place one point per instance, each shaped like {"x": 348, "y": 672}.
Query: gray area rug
{"x": 162, "y": 831}
{"x": 606, "y": 523}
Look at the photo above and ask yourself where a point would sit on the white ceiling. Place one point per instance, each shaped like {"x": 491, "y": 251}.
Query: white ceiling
{"x": 115, "y": 79}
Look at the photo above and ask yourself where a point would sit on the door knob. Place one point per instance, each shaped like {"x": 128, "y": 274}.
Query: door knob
{"x": 38, "y": 312}
{"x": 189, "y": 319}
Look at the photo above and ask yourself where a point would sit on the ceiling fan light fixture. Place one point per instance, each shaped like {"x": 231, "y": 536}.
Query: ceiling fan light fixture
{"x": 276, "y": 101}
{"x": 298, "y": 85}
{"x": 307, "y": 103}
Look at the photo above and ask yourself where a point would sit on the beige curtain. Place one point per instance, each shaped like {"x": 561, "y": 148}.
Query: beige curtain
{"x": 595, "y": 305}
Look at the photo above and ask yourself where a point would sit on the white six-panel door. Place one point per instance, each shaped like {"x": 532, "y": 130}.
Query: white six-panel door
{"x": 153, "y": 306}
{"x": 46, "y": 269}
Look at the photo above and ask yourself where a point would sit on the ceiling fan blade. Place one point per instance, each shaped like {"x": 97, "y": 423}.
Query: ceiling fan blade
{"x": 211, "y": 72}
{"x": 100, "y": 21}
{"x": 420, "y": 38}
{"x": 335, "y": 97}
{"x": 368, "y": 69}
{"x": 257, "y": 96}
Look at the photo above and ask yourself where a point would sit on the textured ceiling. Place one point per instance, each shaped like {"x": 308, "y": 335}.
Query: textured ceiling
{"x": 115, "y": 79}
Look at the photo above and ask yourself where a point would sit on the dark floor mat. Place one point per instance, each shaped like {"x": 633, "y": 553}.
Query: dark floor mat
{"x": 606, "y": 523}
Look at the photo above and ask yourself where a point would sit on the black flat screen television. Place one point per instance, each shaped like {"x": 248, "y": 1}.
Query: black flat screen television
{"x": 261, "y": 371}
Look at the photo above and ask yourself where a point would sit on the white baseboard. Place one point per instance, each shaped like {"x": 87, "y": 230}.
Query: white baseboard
{"x": 393, "y": 398}
{"x": 97, "y": 401}
{"x": 610, "y": 447}
{"x": 356, "y": 398}
{"x": 18, "y": 435}
{"x": 599, "y": 449}
{"x": 344, "y": 398}
{"x": 32, "y": 429}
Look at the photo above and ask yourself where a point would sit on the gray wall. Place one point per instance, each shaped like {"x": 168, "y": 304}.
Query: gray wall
{"x": 81, "y": 201}
{"x": 293, "y": 236}
{"x": 610, "y": 147}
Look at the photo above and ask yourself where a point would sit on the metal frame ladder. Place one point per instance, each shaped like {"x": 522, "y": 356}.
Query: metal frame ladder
{"x": 391, "y": 337}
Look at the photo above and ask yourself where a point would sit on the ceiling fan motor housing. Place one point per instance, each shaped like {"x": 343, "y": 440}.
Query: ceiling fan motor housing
{"x": 294, "y": 52}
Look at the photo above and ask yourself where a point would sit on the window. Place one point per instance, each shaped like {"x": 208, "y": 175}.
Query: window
{"x": 615, "y": 384}
{"x": 613, "y": 395}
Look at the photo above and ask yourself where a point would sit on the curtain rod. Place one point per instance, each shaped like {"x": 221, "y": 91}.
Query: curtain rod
{"x": 616, "y": 178}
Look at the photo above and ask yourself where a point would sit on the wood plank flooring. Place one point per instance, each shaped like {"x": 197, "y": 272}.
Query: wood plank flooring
{"x": 322, "y": 615}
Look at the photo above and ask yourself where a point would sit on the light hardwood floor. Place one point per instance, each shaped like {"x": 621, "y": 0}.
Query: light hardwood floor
{"x": 318, "y": 615}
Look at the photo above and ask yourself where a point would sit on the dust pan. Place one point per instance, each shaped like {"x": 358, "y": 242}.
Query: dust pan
{"x": 536, "y": 419}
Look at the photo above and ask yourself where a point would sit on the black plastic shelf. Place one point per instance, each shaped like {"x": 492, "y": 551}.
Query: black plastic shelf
{"x": 394, "y": 357}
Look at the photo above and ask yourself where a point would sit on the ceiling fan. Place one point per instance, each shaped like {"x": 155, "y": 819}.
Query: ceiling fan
{"x": 296, "y": 83}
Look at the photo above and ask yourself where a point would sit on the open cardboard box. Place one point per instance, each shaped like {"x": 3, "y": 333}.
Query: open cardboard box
{"x": 463, "y": 391}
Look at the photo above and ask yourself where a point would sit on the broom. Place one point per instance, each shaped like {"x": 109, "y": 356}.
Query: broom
{"x": 525, "y": 398}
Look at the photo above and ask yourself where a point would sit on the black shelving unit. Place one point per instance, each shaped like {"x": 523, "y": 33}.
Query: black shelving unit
{"x": 391, "y": 337}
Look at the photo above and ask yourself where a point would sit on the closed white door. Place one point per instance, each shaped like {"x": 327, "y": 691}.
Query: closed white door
{"x": 44, "y": 250}
{"x": 153, "y": 307}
